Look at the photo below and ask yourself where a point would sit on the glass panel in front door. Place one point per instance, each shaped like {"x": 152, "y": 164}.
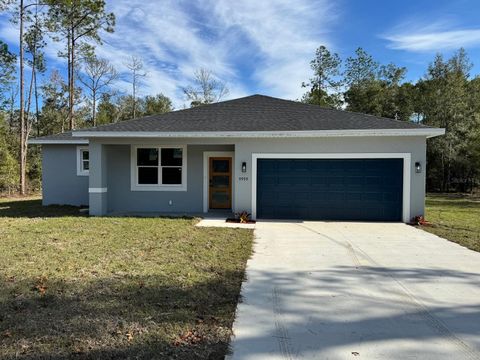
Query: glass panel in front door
{"x": 220, "y": 194}
{"x": 221, "y": 165}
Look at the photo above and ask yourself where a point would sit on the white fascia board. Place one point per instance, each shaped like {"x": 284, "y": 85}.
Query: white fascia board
{"x": 428, "y": 132}
{"x": 58, "y": 142}
{"x": 436, "y": 132}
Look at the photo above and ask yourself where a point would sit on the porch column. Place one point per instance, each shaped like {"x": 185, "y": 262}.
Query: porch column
{"x": 97, "y": 189}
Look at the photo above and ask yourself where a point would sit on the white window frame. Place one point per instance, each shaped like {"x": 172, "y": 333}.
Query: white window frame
{"x": 80, "y": 170}
{"x": 407, "y": 171}
{"x": 135, "y": 186}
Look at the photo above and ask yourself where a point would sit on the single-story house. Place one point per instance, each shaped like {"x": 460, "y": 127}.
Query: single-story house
{"x": 274, "y": 158}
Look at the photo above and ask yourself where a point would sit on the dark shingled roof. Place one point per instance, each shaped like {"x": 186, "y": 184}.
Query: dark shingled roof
{"x": 255, "y": 113}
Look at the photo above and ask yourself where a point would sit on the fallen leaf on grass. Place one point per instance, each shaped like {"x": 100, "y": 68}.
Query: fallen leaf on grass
{"x": 129, "y": 336}
{"x": 41, "y": 285}
{"x": 191, "y": 337}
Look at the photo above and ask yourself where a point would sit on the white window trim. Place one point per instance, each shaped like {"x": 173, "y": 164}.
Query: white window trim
{"x": 206, "y": 156}
{"x": 407, "y": 163}
{"x": 80, "y": 170}
{"x": 135, "y": 186}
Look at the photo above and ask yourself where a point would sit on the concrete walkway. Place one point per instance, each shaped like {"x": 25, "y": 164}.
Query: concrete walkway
{"x": 318, "y": 290}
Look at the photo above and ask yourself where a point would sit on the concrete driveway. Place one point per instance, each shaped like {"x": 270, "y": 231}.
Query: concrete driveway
{"x": 336, "y": 290}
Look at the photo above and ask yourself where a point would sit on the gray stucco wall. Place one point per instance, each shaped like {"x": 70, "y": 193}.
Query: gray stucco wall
{"x": 121, "y": 199}
{"x": 116, "y": 174}
{"x": 60, "y": 183}
{"x": 416, "y": 146}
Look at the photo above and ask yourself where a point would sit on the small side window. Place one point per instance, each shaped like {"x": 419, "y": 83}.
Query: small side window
{"x": 83, "y": 161}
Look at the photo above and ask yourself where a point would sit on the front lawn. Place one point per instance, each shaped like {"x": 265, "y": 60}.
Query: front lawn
{"x": 112, "y": 288}
{"x": 454, "y": 217}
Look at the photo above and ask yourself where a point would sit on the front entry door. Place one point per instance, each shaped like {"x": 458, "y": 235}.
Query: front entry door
{"x": 220, "y": 183}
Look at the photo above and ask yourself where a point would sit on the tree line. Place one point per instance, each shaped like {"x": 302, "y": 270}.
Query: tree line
{"x": 38, "y": 99}
{"x": 447, "y": 96}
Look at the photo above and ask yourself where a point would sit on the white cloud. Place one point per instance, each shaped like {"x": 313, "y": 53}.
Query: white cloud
{"x": 285, "y": 33}
{"x": 277, "y": 39}
{"x": 437, "y": 36}
{"x": 254, "y": 46}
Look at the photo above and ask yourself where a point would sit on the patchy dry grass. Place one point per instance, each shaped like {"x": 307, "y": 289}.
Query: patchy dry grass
{"x": 112, "y": 288}
{"x": 456, "y": 218}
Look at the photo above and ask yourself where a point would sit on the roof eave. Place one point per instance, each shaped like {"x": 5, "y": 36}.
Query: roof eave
{"x": 426, "y": 132}
{"x": 57, "y": 142}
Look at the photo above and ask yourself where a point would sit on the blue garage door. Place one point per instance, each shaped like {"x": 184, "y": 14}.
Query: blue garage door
{"x": 330, "y": 189}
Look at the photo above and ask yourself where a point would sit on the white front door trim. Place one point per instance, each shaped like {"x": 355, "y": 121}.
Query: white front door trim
{"x": 206, "y": 156}
{"x": 406, "y": 171}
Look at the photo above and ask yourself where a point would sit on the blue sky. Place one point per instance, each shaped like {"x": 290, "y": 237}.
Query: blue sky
{"x": 265, "y": 47}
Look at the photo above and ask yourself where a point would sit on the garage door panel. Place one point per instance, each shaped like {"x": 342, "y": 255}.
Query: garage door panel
{"x": 318, "y": 181}
{"x": 373, "y": 196}
{"x": 333, "y": 197}
{"x": 330, "y": 189}
{"x": 270, "y": 180}
{"x": 355, "y": 196}
{"x": 355, "y": 181}
{"x": 300, "y": 165}
{"x": 392, "y": 197}
{"x": 294, "y": 180}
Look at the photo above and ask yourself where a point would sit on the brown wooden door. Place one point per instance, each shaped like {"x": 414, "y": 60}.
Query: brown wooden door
{"x": 220, "y": 183}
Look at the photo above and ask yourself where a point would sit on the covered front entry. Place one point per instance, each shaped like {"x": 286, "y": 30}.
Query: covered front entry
{"x": 330, "y": 189}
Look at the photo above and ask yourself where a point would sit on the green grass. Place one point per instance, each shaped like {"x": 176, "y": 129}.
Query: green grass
{"x": 454, "y": 217}
{"x": 112, "y": 288}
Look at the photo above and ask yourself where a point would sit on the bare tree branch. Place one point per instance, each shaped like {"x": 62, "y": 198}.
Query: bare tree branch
{"x": 208, "y": 89}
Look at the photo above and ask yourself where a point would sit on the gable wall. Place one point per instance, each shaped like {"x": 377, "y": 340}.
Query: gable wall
{"x": 60, "y": 183}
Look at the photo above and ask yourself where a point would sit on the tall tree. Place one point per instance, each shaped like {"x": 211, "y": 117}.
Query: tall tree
{"x": 361, "y": 68}
{"x": 207, "y": 88}
{"x": 8, "y": 165}
{"x": 54, "y": 114}
{"x": 22, "y": 110}
{"x": 374, "y": 89}
{"x": 7, "y": 69}
{"x": 113, "y": 108}
{"x": 107, "y": 110}
{"x": 34, "y": 43}
{"x": 135, "y": 65}
{"x": 29, "y": 40}
{"x": 76, "y": 23}
{"x": 324, "y": 85}
{"x": 157, "y": 104}
{"x": 9, "y": 169}
{"x": 97, "y": 76}
{"x": 445, "y": 104}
